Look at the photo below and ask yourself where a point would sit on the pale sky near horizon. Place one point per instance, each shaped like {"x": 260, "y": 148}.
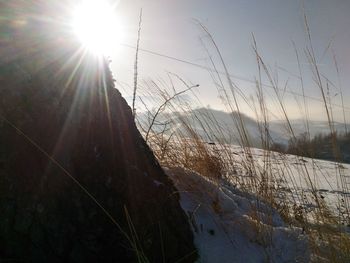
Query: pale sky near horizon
{"x": 169, "y": 28}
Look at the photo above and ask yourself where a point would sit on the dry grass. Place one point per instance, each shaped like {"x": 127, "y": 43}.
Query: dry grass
{"x": 210, "y": 152}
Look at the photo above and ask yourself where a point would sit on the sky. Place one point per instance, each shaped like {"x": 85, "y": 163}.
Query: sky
{"x": 171, "y": 28}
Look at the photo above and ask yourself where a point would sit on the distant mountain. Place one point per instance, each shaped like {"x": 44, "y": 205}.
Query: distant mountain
{"x": 214, "y": 125}
{"x": 315, "y": 127}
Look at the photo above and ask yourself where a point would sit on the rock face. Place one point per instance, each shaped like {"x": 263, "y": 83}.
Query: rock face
{"x": 77, "y": 181}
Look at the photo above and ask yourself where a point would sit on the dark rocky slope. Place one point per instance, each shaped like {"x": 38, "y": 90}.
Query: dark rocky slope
{"x": 65, "y": 102}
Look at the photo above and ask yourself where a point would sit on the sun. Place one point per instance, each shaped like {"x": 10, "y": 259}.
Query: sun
{"x": 97, "y": 26}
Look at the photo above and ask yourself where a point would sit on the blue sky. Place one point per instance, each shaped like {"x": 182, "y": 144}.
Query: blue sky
{"x": 168, "y": 27}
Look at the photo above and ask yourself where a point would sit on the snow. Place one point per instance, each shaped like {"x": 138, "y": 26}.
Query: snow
{"x": 233, "y": 226}
{"x": 300, "y": 178}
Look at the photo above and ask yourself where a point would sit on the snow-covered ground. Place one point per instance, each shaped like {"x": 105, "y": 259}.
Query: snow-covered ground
{"x": 300, "y": 179}
{"x": 233, "y": 226}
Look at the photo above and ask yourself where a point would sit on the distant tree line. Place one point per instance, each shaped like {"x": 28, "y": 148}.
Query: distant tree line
{"x": 333, "y": 147}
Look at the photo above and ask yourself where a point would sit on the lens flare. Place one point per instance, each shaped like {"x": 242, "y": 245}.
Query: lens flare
{"x": 97, "y": 26}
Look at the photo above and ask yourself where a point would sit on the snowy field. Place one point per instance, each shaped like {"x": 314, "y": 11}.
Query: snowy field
{"x": 300, "y": 179}
{"x": 231, "y": 225}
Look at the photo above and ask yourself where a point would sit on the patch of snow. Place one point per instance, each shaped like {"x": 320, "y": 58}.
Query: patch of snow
{"x": 233, "y": 226}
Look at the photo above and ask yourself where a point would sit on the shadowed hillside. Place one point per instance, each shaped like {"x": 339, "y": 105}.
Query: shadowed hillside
{"x": 77, "y": 181}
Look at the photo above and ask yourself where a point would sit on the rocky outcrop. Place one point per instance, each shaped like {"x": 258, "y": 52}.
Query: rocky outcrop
{"x": 77, "y": 181}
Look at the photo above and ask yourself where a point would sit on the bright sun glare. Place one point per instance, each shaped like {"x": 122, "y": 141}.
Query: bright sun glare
{"x": 97, "y": 26}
